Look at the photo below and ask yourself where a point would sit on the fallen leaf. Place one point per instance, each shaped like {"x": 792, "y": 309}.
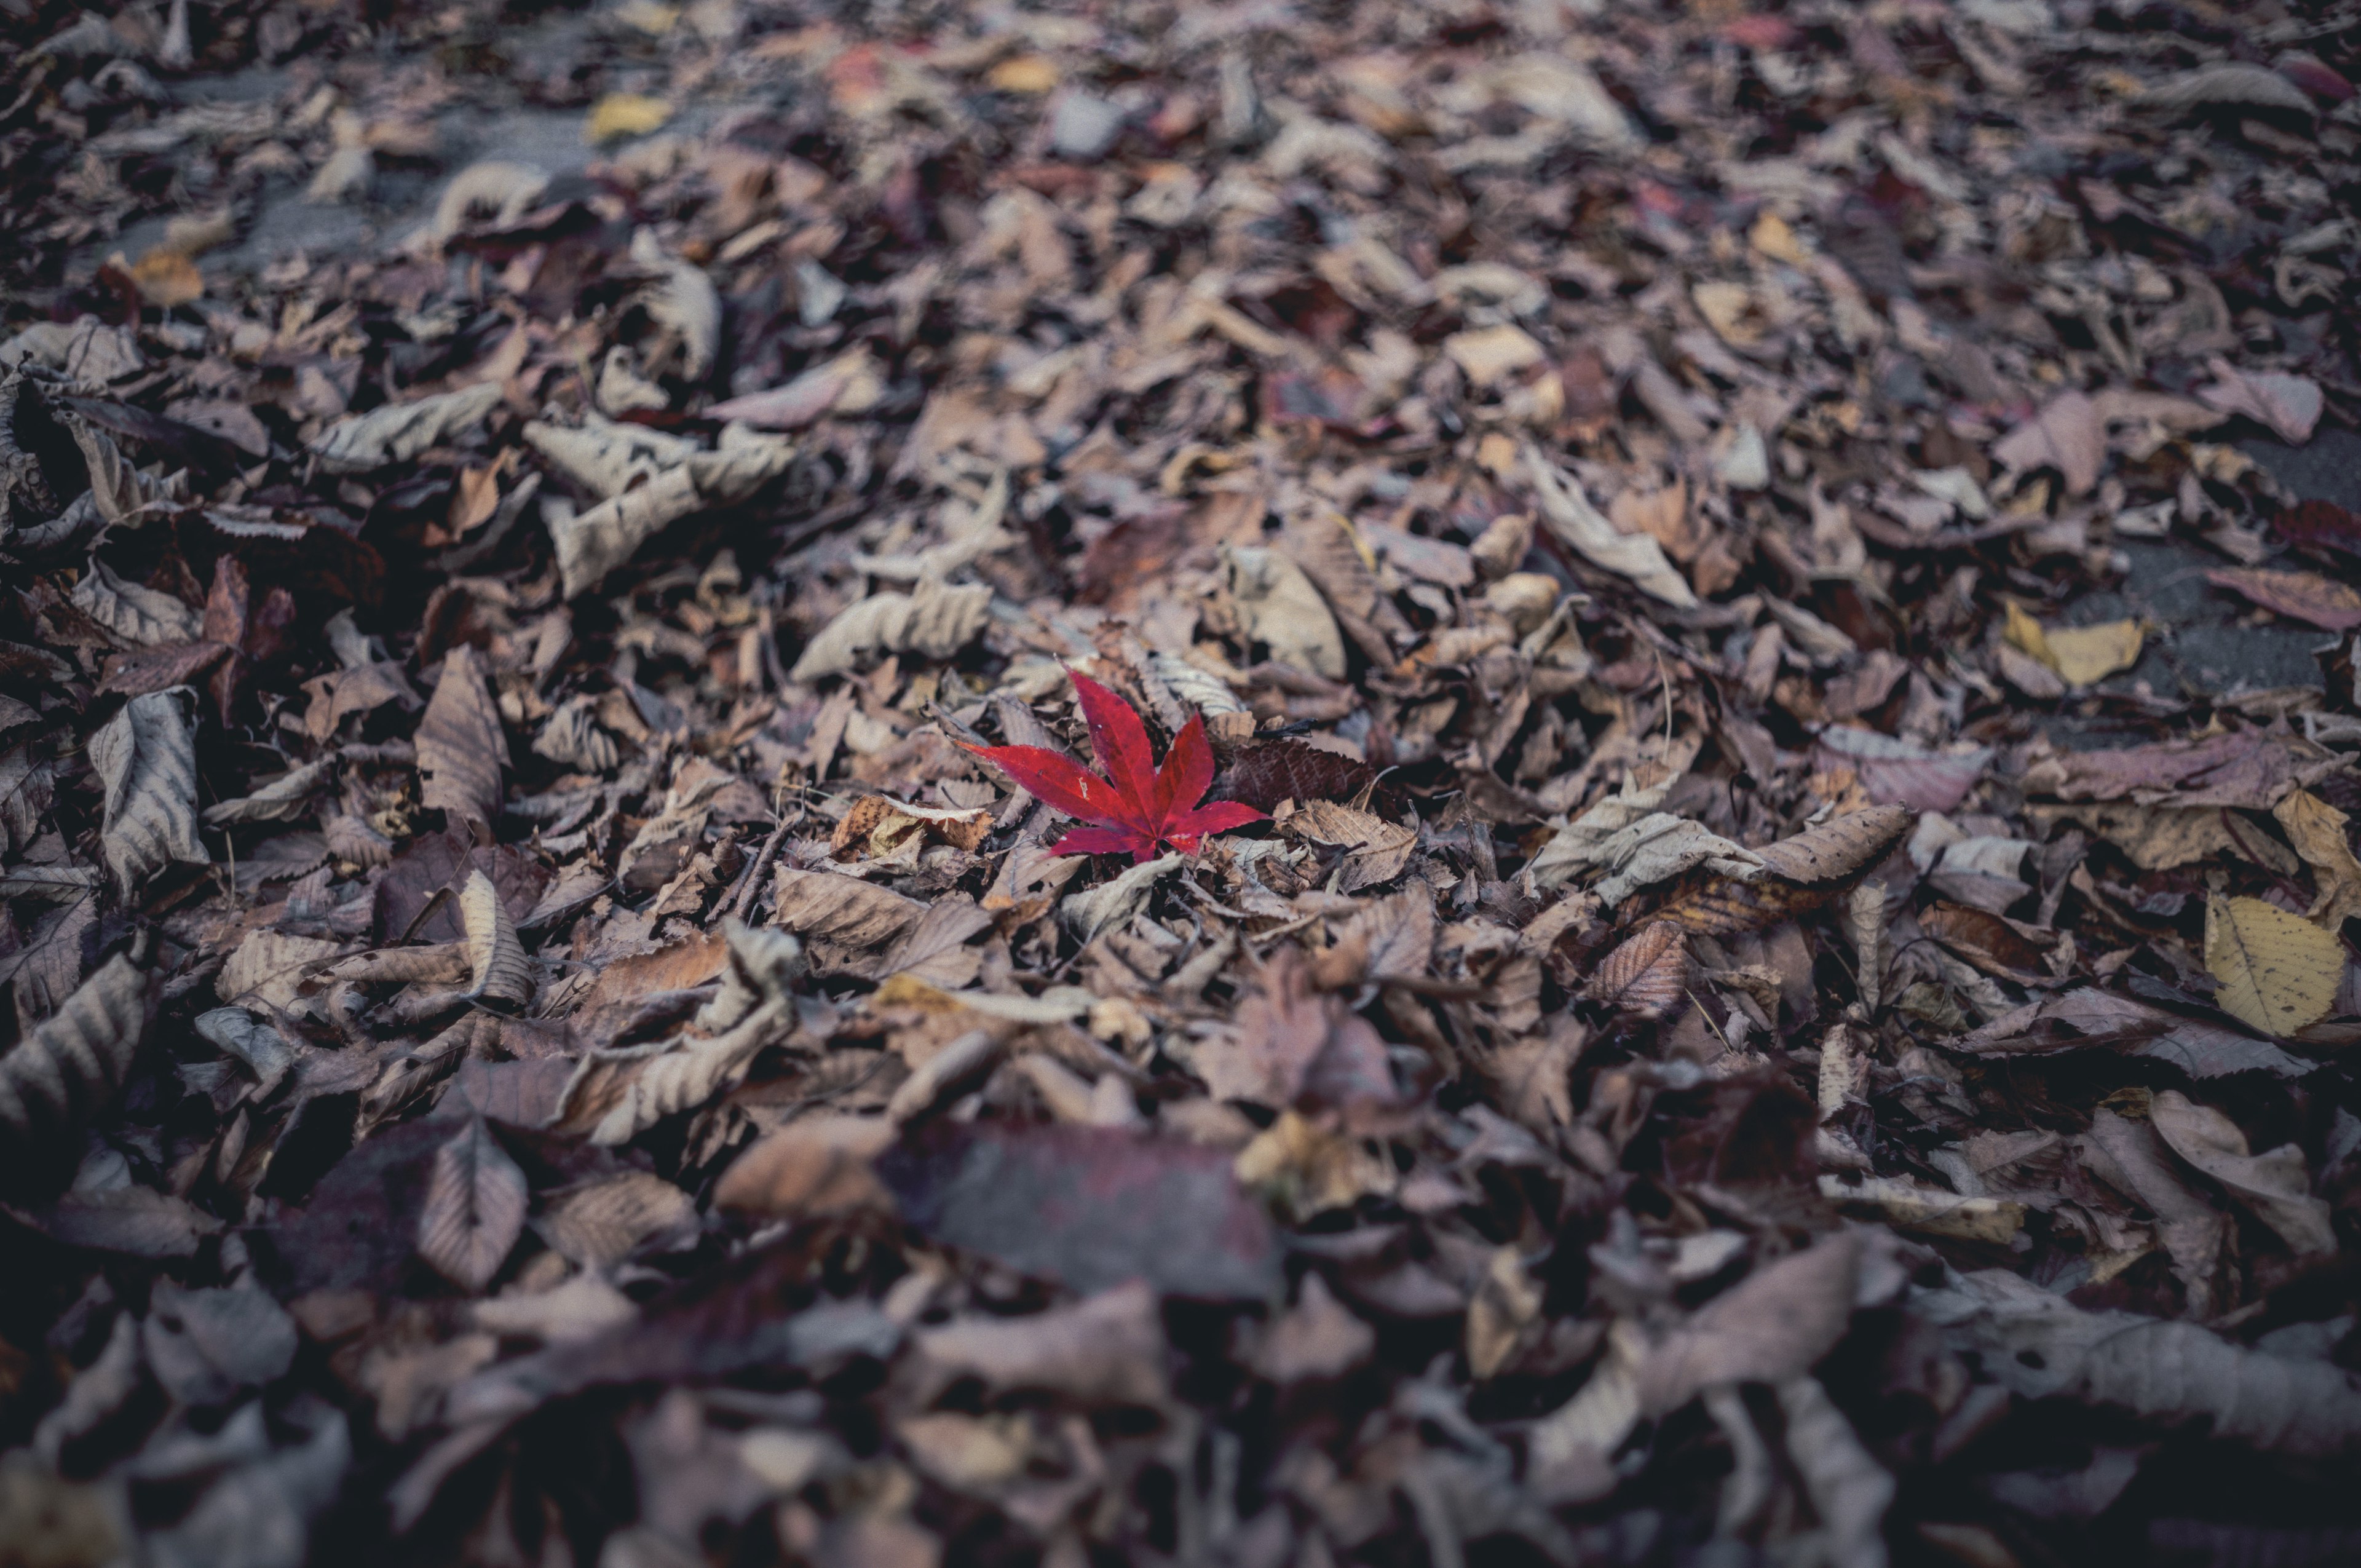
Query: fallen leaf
{"x": 2081, "y": 654}
{"x": 2278, "y": 972}
{"x": 146, "y": 757}
{"x": 2274, "y": 1185}
{"x": 2300, "y": 596}
{"x": 2317, "y": 830}
{"x": 1647, "y": 973}
{"x": 620, "y": 115}
{"x": 474, "y": 1207}
{"x": 462, "y": 748}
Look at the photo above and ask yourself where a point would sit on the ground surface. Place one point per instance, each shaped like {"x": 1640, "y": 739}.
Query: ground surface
{"x": 1741, "y": 953}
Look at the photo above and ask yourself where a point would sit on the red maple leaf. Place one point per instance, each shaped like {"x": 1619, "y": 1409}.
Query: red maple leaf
{"x": 1135, "y": 807}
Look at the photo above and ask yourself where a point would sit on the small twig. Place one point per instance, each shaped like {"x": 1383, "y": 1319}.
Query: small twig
{"x": 751, "y": 880}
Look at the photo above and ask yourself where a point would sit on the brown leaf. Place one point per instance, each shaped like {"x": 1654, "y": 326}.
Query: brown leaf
{"x": 474, "y": 1208}
{"x": 2242, "y": 768}
{"x": 1647, "y": 973}
{"x": 63, "y": 1073}
{"x": 1770, "y": 1327}
{"x": 498, "y": 968}
{"x": 852, "y": 924}
{"x": 1267, "y": 774}
{"x": 461, "y": 747}
{"x": 2088, "y": 1019}
{"x": 814, "y": 1166}
{"x": 2301, "y": 596}
{"x": 1841, "y": 849}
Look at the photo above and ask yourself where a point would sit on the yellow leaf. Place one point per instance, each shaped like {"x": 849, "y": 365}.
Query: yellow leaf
{"x": 624, "y": 115}
{"x": 650, "y": 18}
{"x": 168, "y": 277}
{"x": 1026, "y": 73}
{"x": 1773, "y": 238}
{"x": 2087, "y": 654}
{"x": 2082, "y": 654}
{"x": 2278, "y": 973}
{"x": 2317, "y": 830}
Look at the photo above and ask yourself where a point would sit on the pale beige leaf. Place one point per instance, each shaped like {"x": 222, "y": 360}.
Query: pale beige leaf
{"x": 1111, "y": 903}
{"x": 397, "y": 433}
{"x": 607, "y": 457}
{"x": 2130, "y": 1156}
{"x": 1277, "y": 605}
{"x": 432, "y": 964}
{"x": 603, "y": 1223}
{"x": 500, "y": 190}
{"x": 596, "y": 543}
{"x": 146, "y": 757}
{"x": 2278, "y": 973}
{"x": 2317, "y": 830}
{"x": 815, "y": 1165}
{"x": 268, "y": 969}
{"x": 135, "y": 612}
{"x": 1586, "y": 529}
{"x": 284, "y": 799}
{"x": 683, "y": 301}
{"x": 1849, "y": 1490}
{"x": 67, "y": 1069}
{"x": 474, "y": 1208}
{"x": 1376, "y": 850}
{"x": 2274, "y": 1184}
{"x": 1770, "y": 1327}
{"x": 850, "y": 924}
{"x": 461, "y": 747}
{"x": 498, "y": 968}
{"x": 933, "y": 619}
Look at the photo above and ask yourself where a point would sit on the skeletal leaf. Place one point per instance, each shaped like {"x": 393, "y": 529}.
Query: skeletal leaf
{"x": 147, "y": 759}
{"x": 67, "y": 1069}
{"x": 474, "y": 1208}
{"x": 135, "y": 612}
{"x": 461, "y": 747}
{"x": 282, "y": 799}
{"x": 933, "y": 619}
{"x": 1278, "y": 605}
{"x": 1646, "y": 974}
{"x": 499, "y": 968}
{"x": 2278, "y": 973}
{"x": 1586, "y": 529}
{"x": 397, "y": 433}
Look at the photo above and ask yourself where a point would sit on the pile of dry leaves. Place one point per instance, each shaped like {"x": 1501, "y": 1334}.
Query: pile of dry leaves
{"x": 1298, "y": 783}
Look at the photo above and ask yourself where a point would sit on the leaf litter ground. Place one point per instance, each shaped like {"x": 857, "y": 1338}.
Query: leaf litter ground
{"x": 1713, "y": 923}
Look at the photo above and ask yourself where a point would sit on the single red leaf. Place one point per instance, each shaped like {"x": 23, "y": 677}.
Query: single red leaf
{"x": 1135, "y": 809}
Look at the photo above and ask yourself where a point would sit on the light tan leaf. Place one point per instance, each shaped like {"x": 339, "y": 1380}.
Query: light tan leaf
{"x": 341, "y": 692}
{"x": 2130, "y": 1156}
{"x": 933, "y": 619}
{"x": 63, "y": 1073}
{"x": 1376, "y": 850}
{"x": 435, "y": 963}
{"x": 607, "y": 457}
{"x": 2274, "y": 1184}
{"x": 1840, "y": 849}
{"x": 1909, "y": 1206}
{"x": 474, "y": 1208}
{"x": 2317, "y": 830}
{"x": 596, "y": 543}
{"x": 1278, "y": 605}
{"x": 399, "y": 432}
{"x": 135, "y": 612}
{"x": 268, "y": 967}
{"x": 2278, "y": 972}
{"x": 683, "y": 302}
{"x": 815, "y": 1165}
{"x": 2068, "y": 434}
{"x": 1490, "y": 354}
{"x": 1586, "y": 529}
{"x": 2081, "y": 654}
{"x": 850, "y": 924}
{"x": 147, "y": 759}
{"x": 1111, "y": 903}
{"x": 1647, "y": 973}
{"x": 499, "y": 969}
{"x": 2229, "y": 83}
{"x": 461, "y": 747}
{"x": 503, "y": 191}
{"x": 284, "y": 799}
{"x": 1849, "y": 1490}
{"x": 603, "y": 1223}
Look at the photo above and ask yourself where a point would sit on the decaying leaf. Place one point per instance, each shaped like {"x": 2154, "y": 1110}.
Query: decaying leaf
{"x": 2081, "y": 654}
{"x": 64, "y": 1072}
{"x": 474, "y": 1208}
{"x": 1646, "y": 974}
{"x": 146, "y": 756}
{"x": 2278, "y": 972}
{"x": 2275, "y": 1184}
{"x": 595, "y": 543}
{"x": 1277, "y": 605}
{"x": 933, "y": 619}
{"x": 461, "y": 747}
{"x": 1587, "y": 531}
{"x": 2317, "y": 830}
{"x": 498, "y": 968}
{"x": 399, "y": 432}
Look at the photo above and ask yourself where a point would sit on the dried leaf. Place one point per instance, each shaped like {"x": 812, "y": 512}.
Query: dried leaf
{"x": 2317, "y": 830}
{"x": 2092, "y": 1019}
{"x": 64, "y": 1072}
{"x": 399, "y": 432}
{"x": 284, "y": 799}
{"x": 1647, "y": 973}
{"x": 1278, "y": 605}
{"x": 2275, "y": 1184}
{"x": 933, "y": 621}
{"x": 850, "y": 924}
{"x": 620, "y": 115}
{"x": 1584, "y": 529}
{"x": 461, "y": 746}
{"x": 1897, "y": 772}
{"x": 133, "y": 611}
{"x": 1376, "y": 850}
{"x": 498, "y": 968}
{"x": 814, "y": 1166}
{"x": 596, "y": 541}
{"x": 1841, "y": 849}
{"x": 2278, "y": 972}
{"x": 474, "y": 1208}
{"x": 147, "y": 759}
{"x": 2300, "y": 596}
{"x": 2081, "y": 654}
{"x": 1769, "y": 1327}
{"x": 2288, "y": 405}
